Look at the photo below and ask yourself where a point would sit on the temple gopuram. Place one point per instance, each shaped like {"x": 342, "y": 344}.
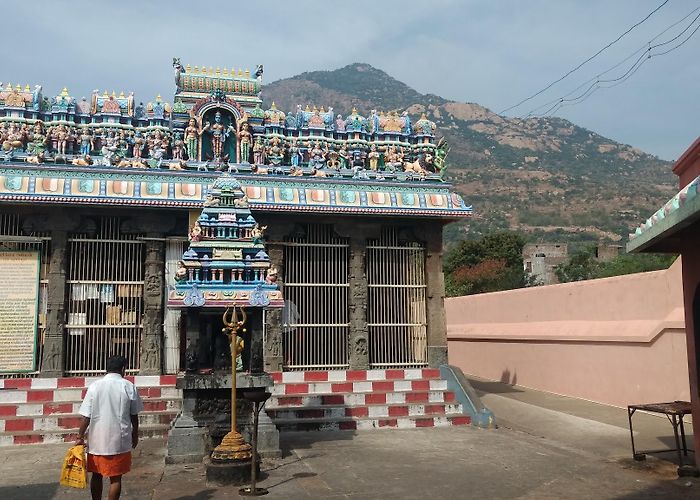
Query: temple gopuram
{"x": 126, "y": 228}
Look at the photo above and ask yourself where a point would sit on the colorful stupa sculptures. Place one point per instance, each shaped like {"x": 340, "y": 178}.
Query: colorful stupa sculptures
{"x": 216, "y": 122}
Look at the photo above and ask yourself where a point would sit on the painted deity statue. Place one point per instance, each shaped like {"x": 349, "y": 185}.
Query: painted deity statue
{"x": 157, "y": 145}
{"x": 109, "y": 148}
{"x": 219, "y": 133}
{"x": 192, "y": 134}
{"x": 275, "y": 153}
{"x": 196, "y": 232}
{"x": 317, "y": 157}
{"x": 60, "y": 135}
{"x": 343, "y": 156}
{"x": 138, "y": 144}
{"x": 257, "y": 233}
{"x": 39, "y": 139}
{"x": 407, "y": 127}
{"x": 339, "y": 124}
{"x": 294, "y": 153}
{"x": 122, "y": 144}
{"x": 373, "y": 157}
{"x": 178, "y": 147}
{"x": 392, "y": 159}
{"x": 86, "y": 142}
{"x": 245, "y": 139}
{"x": 259, "y": 152}
{"x": 374, "y": 122}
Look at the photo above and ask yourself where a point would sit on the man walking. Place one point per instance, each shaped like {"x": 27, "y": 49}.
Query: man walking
{"x": 110, "y": 411}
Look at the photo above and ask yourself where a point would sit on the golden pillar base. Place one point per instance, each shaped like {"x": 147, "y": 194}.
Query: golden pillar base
{"x": 232, "y": 448}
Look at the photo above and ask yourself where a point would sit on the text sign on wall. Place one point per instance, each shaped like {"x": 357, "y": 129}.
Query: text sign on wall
{"x": 19, "y": 310}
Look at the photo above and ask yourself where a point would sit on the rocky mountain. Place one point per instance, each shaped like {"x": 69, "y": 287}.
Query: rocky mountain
{"x": 546, "y": 177}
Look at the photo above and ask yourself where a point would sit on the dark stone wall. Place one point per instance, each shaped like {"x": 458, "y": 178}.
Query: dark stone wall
{"x": 157, "y": 225}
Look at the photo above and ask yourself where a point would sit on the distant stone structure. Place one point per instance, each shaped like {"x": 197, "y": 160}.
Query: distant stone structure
{"x": 606, "y": 252}
{"x": 540, "y": 260}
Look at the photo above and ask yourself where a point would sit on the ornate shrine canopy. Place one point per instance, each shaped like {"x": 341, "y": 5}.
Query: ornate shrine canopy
{"x": 21, "y": 183}
{"x": 226, "y": 263}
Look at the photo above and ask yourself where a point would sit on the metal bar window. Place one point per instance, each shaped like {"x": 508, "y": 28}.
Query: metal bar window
{"x": 105, "y": 306}
{"x": 315, "y": 318}
{"x": 396, "y": 309}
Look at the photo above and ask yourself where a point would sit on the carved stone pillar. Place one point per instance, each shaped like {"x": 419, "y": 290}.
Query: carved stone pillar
{"x": 357, "y": 298}
{"x": 53, "y": 359}
{"x": 152, "y": 333}
{"x": 272, "y": 350}
{"x": 435, "y": 296}
{"x": 358, "y": 341}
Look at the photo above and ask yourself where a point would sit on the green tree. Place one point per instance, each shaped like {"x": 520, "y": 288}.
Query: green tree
{"x": 581, "y": 266}
{"x": 489, "y": 264}
{"x": 635, "y": 263}
{"x": 584, "y": 266}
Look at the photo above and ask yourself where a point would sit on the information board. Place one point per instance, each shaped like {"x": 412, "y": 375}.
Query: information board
{"x": 19, "y": 310}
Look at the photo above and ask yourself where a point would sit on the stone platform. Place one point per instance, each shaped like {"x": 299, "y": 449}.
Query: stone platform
{"x": 205, "y": 417}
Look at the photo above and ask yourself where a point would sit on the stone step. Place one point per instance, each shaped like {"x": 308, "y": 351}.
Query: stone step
{"x": 75, "y": 394}
{"x": 293, "y": 388}
{"x": 62, "y": 408}
{"x": 82, "y": 382}
{"x": 354, "y": 375}
{"x": 11, "y": 438}
{"x": 72, "y": 421}
{"x": 360, "y": 399}
{"x": 40, "y": 410}
{"x": 349, "y": 423}
{"x": 334, "y": 412}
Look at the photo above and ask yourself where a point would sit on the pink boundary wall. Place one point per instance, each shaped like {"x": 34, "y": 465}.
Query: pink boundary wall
{"x": 617, "y": 340}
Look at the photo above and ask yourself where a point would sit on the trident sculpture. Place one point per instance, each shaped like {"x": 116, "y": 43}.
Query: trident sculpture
{"x": 233, "y": 447}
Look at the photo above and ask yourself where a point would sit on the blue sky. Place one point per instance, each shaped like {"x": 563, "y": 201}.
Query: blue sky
{"x": 490, "y": 52}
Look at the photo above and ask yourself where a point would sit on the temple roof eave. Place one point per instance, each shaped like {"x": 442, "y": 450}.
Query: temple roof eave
{"x": 69, "y": 185}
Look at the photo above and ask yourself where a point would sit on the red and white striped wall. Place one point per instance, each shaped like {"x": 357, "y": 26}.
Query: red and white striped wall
{"x": 363, "y": 399}
{"x": 42, "y": 410}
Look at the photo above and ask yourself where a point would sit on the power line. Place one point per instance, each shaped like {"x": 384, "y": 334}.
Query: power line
{"x": 635, "y": 67}
{"x": 625, "y": 76}
{"x": 586, "y": 61}
{"x": 644, "y": 48}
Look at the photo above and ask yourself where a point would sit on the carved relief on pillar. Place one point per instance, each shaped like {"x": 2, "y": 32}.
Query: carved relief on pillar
{"x": 54, "y": 345}
{"x": 152, "y": 340}
{"x": 272, "y": 352}
{"x": 358, "y": 291}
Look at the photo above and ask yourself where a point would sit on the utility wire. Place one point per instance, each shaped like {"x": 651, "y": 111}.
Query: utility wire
{"x": 625, "y": 76}
{"x": 586, "y": 61}
{"x": 643, "y": 48}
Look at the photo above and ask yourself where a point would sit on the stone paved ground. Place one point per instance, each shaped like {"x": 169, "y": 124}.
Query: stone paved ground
{"x": 450, "y": 463}
{"x": 547, "y": 447}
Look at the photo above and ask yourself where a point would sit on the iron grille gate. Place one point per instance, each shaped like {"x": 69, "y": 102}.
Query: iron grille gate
{"x": 105, "y": 280}
{"x": 315, "y": 317}
{"x": 396, "y": 309}
{"x": 13, "y": 238}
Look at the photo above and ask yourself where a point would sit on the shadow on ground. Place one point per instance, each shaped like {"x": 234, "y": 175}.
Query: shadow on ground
{"x": 679, "y": 489}
{"x": 202, "y": 495}
{"x": 29, "y": 491}
{"x": 305, "y": 440}
{"x": 492, "y": 387}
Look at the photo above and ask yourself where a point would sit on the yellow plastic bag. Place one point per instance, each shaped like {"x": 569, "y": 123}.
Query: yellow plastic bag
{"x": 74, "y": 471}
